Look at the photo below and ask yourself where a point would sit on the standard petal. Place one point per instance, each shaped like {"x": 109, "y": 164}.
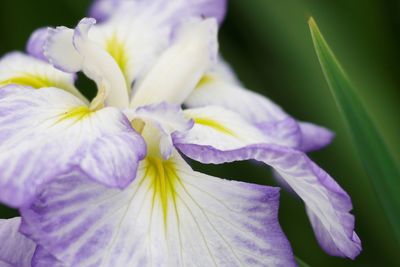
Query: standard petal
{"x": 38, "y": 127}
{"x": 181, "y": 66}
{"x": 169, "y": 216}
{"x": 330, "y": 204}
{"x": 20, "y": 69}
{"x": 73, "y": 51}
{"x": 165, "y": 11}
{"x": 139, "y": 31}
{"x": 16, "y": 249}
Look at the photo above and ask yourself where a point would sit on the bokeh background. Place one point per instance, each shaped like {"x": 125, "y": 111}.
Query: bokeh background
{"x": 269, "y": 45}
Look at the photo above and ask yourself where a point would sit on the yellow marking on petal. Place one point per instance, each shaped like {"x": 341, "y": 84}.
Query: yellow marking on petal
{"x": 117, "y": 49}
{"x": 138, "y": 125}
{"x": 205, "y": 80}
{"x": 215, "y": 125}
{"x": 34, "y": 81}
{"x": 75, "y": 114}
{"x": 163, "y": 182}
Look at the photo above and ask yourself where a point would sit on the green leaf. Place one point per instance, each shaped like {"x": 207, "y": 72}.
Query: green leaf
{"x": 301, "y": 263}
{"x": 378, "y": 163}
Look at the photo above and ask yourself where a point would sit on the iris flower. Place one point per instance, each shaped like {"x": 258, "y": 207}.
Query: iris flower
{"x": 104, "y": 183}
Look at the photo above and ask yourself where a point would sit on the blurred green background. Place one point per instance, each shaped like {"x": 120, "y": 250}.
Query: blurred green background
{"x": 269, "y": 45}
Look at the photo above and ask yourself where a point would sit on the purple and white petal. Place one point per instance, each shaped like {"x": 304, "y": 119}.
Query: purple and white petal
{"x": 169, "y": 216}
{"x": 167, "y": 118}
{"x": 20, "y": 69}
{"x": 330, "y": 204}
{"x": 181, "y": 66}
{"x": 16, "y": 249}
{"x": 38, "y": 127}
{"x": 216, "y": 85}
{"x": 314, "y": 137}
{"x": 167, "y": 12}
{"x": 42, "y": 258}
{"x": 103, "y": 9}
{"x": 36, "y": 42}
{"x": 326, "y": 237}
{"x": 73, "y": 51}
{"x": 219, "y": 126}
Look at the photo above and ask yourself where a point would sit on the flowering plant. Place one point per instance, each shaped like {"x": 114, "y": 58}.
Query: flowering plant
{"x": 103, "y": 182}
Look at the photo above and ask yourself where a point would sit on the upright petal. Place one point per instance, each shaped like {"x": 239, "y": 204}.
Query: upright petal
{"x": 16, "y": 249}
{"x": 169, "y": 216}
{"x": 328, "y": 203}
{"x": 73, "y": 51}
{"x": 49, "y": 125}
{"x": 165, "y": 11}
{"x": 181, "y": 66}
{"x": 139, "y": 31}
{"x": 20, "y": 69}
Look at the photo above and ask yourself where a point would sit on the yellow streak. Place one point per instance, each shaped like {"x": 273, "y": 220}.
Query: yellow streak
{"x": 117, "y": 50}
{"x": 164, "y": 178}
{"x": 36, "y": 82}
{"x": 215, "y": 125}
{"x": 205, "y": 80}
{"x": 75, "y": 114}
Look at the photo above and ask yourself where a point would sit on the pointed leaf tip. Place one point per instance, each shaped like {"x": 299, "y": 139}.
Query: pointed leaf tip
{"x": 379, "y": 164}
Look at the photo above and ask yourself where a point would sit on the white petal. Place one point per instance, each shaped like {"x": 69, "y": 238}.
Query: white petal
{"x": 171, "y": 216}
{"x": 181, "y": 66}
{"x": 72, "y": 50}
{"x": 220, "y": 87}
{"x": 222, "y": 127}
{"x": 20, "y": 69}
{"x": 60, "y": 51}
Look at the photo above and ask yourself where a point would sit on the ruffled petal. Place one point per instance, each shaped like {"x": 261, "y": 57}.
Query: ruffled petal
{"x": 16, "y": 249}
{"x": 20, "y": 69}
{"x": 169, "y": 216}
{"x": 73, "y": 51}
{"x": 322, "y": 195}
{"x": 181, "y": 66}
{"x": 166, "y": 11}
{"x": 38, "y": 127}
